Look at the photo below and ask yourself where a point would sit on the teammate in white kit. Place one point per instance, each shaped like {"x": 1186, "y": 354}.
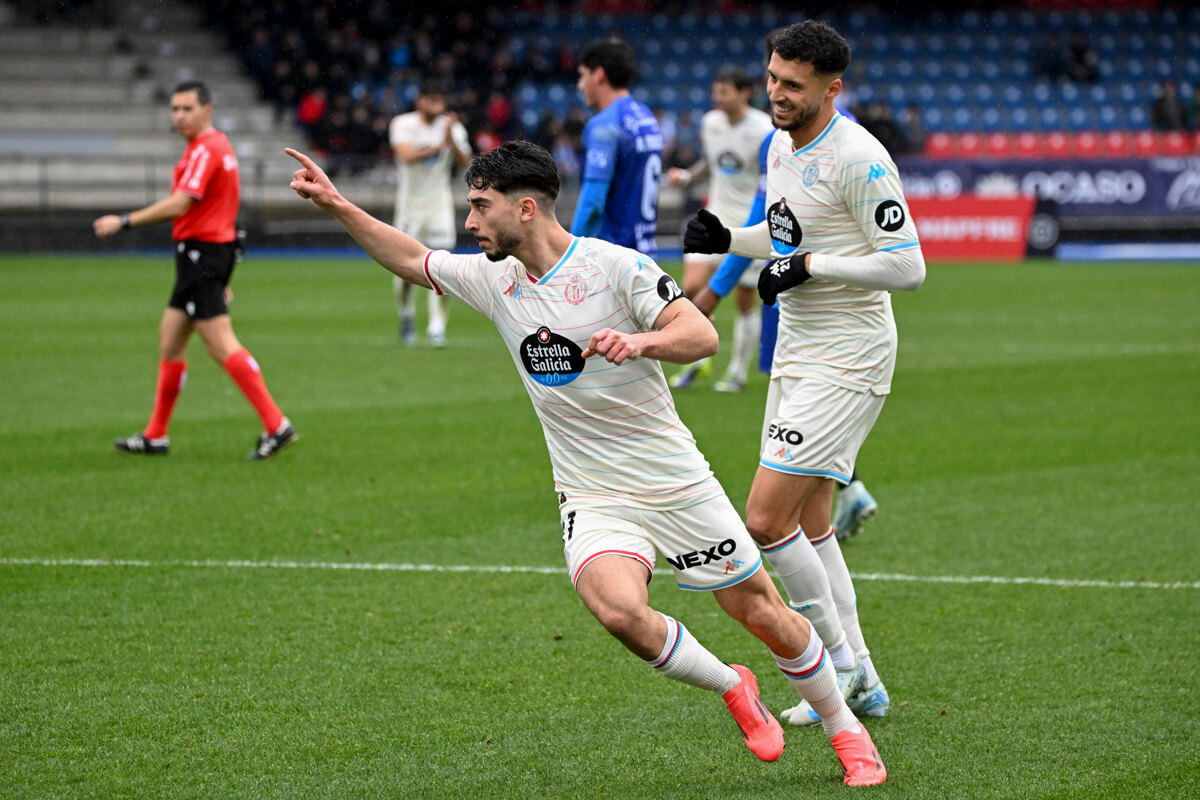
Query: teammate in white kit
{"x": 730, "y": 137}
{"x": 427, "y": 143}
{"x": 839, "y": 230}
{"x": 587, "y": 323}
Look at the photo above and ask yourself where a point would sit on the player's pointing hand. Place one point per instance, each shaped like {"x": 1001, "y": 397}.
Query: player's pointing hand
{"x": 613, "y": 345}
{"x": 311, "y": 182}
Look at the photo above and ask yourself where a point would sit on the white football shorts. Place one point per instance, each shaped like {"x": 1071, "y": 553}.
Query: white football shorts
{"x": 706, "y": 544}
{"x": 433, "y": 228}
{"x": 812, "y": 427}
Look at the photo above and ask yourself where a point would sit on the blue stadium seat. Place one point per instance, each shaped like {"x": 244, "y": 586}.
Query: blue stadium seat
{"x": 1020, "y": 119}
{"x": 963, "y": 121}
{"x": 992, "y": 120}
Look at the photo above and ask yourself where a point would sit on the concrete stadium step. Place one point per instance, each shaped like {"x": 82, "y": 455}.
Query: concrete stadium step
{"x": 45, "y": 66}
{"x": 67, "y": 93}
{"x": 20, "y": 41}
{"x": 234, "y": 120}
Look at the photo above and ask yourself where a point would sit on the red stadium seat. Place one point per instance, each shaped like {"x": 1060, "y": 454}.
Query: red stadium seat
{"x": 1087, "y": 144}
{"x": 1029, "y": 144}
{"x": 939, "y": 145}
{"x": 1059, "y": 144}
{"x": 1145, "y": 143}
{"x": 1116, "y": 143}
{"x": 999, "y": 144}
{"x": 970, "y": 145}
{"x": 1175, "y": 143}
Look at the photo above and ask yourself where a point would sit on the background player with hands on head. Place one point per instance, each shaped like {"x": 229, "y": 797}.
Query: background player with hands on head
{"x": 427, "y": 143}
{"x": 840, "y": 237}
{"x": 631, "y": 481}
{"x": 203, "y": 207}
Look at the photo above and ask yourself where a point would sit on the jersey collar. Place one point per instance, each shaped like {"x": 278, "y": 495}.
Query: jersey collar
{"x": 561, "y": 261}
{"x": 824, "y": 133}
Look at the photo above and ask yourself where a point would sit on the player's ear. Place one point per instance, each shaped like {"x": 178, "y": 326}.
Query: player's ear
{"x": 527, "y": 208}
{"x": 835, "y": 87}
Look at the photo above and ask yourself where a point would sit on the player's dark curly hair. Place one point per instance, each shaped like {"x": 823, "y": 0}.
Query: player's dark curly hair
{"x": 515, "y": 167}
{"x": 815, "y": 43}
{"x": 617, "y": 58}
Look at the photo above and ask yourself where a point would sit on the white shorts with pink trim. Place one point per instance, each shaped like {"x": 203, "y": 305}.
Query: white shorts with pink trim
{"x": 706, "y": 544}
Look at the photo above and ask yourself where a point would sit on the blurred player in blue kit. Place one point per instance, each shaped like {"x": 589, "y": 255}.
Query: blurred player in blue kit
{"x": 587, "y": 324}
{"x": 622, "y": 152}
{"x": 838, "y": 230}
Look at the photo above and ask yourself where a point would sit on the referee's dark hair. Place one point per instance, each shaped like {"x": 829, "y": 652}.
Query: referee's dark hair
{"x": 199, "y": 87}
{"x": 617, "y": 58}
{"x": 515, "y": 167}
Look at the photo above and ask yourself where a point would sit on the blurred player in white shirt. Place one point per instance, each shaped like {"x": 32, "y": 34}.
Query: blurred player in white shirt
{"x": 730, "y": 136}
{"x": 427, "y": 143}
{"x": 841, "y": 238}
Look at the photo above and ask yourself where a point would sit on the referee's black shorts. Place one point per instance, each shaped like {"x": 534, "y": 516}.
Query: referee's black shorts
{"x": 202, "y": 271}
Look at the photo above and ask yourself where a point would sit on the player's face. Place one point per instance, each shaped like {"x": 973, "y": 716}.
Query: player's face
{"x": 431, "y": 106}
{"x": 589, "y": 79}
{"x": 187, "y": 114}
{"x": 726, "y": 97}
{"x": 494, "y": 223}
{"x": 797, "y": 93}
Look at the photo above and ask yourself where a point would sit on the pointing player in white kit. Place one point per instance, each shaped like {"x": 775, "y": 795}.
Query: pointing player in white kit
{"x": 586, "y": 323}
{"x": 730, "y": 136}
{"x": 427, "y": 142}
{"x": 839, "y": 230}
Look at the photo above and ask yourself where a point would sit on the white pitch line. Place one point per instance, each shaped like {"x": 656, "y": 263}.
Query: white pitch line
{"x": 361, "y": 567}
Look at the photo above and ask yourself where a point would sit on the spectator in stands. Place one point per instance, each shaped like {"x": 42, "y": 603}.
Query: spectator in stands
{"x": 1083, "y": 63}
{"x": 1050, "y": 60}
{"x": 1167, "y": 112}
{"x": 913, "y": 129}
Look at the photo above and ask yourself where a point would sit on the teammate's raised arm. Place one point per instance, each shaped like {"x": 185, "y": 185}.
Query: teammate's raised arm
{"x": 393, "y": 249}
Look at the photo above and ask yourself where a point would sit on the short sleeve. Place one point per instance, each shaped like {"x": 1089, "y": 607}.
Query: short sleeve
{"x": 467, "y": 277}
{"x": 461, "y": 139}
{"x": 198, "y": 172}
{"x": 642, "y": 287}
{"x": 875, "y": 198}
{"x": 398, "y": 131}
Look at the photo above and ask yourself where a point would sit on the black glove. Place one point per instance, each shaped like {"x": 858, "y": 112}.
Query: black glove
{"x": 705, "y": 234}
{"x": 780, "y": 275}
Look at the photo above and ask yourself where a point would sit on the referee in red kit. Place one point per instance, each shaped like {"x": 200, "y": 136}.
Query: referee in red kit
{"x": 203, "y": 206}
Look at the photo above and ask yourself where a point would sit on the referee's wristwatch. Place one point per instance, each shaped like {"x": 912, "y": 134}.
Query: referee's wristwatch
{"x": 125, "y": 223}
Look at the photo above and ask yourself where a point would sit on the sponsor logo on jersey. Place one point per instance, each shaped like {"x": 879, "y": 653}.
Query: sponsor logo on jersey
{"x": 877, "y": 172}
{"x": 733, "y": 565}
{"x": 576, "y": 291}
{"x": 889, "y": 216}
{"x": 811, "y": 174}
{"x": 514, "y": 288}
{"x": 730, "y": 163}
{"x": 550, "y": 359}
{"x": 785, "y": 229}
{"x": 668, "y": 290}
{"x": 708, "y": 555}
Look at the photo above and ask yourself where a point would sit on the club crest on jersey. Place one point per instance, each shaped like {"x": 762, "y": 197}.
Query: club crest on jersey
{"x": 785, "y": 229}
{"x": 576, "y": 291}
{"x": 668, "y": 290}
{"x": 550, "y": 359}
{"x": 811, "y": 174}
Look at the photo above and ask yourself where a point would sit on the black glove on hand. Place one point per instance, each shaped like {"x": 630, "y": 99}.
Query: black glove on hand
{"x": 780, "y": 275}
{"x": 705, "y": 234}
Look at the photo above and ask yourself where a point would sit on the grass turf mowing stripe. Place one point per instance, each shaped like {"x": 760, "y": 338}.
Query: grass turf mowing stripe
{"x": 1067, "y": 583}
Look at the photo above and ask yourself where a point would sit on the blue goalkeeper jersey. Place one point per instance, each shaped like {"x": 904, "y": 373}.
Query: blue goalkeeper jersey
{"x": 623, "y": 148}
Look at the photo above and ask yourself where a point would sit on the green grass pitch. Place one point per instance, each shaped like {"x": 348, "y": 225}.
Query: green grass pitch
{"x": 187, "y": 627}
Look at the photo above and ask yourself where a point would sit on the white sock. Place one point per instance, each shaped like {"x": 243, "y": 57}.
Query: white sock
{"x": 872, "y": 675}
{"x": 803, "y": 576}
{"x": 746, "y": 331}
{"x": 685, "y": 659}
{"x": 842, "y": 588}
{"x": 813, "y": 677}
{"x": 438, "y": 313}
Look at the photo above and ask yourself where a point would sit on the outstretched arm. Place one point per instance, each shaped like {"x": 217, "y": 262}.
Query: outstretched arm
{"x": 162, "y": 210}
{"x": 395, "y": 250}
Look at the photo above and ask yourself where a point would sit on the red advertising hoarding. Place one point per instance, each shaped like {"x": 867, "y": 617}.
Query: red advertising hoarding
{"x": 972, "y": 228}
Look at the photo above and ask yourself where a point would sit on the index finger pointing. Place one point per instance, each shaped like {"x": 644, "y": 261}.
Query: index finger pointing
{"x": 303, "y": 159}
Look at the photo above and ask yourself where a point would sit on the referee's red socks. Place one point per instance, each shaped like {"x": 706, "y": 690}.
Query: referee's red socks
{"x": 171, "y": 377}
{"x": 244, "y": 370}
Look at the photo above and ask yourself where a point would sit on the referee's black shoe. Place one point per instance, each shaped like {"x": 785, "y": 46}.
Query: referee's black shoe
{"x": 138, "y": 444}
{"x": 271, "y": 443}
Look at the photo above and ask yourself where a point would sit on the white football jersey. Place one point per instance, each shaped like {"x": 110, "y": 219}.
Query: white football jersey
{"x": 840, "y": 195}
{"x": 423, "y": 187}
{"x": 612, "y": 431}
{"x": 731, "y": 151}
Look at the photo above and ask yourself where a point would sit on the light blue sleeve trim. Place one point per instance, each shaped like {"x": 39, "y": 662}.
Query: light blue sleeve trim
{"x": 905, "y": 246}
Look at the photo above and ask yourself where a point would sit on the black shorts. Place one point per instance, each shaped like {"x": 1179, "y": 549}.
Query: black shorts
{"x": 202, "y": 271}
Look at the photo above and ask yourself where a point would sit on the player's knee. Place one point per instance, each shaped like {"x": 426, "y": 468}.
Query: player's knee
{"x": 622, "y": 622}
{"x": 763, "y": 528}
